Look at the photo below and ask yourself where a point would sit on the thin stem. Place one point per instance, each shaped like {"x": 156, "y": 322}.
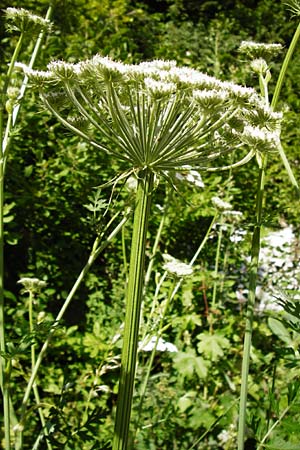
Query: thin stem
{"x": 158, "y": 237}
{"x": 150, "y": 363}
{"x": 12, "y": 63}
{"x": 274, "y": 102}
{"x": 173, "y": 291}
{"x": 33, "y": 359}
{"x": 277, "y": 422}
{"x": 255, "y": 249}
{"x": 217, "y": 260}
{"x": 133, "y": 310}
{"x": 284, "y": 67}
{"x": 4, "y": 372}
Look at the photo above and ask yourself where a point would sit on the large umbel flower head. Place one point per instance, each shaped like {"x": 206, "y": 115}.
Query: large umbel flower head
{"x": 155, "y": 115}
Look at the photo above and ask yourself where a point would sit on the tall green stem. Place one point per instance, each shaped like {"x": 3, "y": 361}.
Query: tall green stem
{"x": 284, "y": 67}
{"x": 3, "y": 378}
{"x": 3, "y": 140}
{"x": 133, "y": 309}
{"x": 255, "y": 249}
{"x": 33, "y": 358}
{"x": 274, "y": 102}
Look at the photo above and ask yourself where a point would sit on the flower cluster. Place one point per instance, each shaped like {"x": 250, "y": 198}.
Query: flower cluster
{"x": 159, "y": 344}
{"x": 33, "y": 285}
{"x": 21, "y": 20}
{"x": 156, "y": 115}
{"x": 256, "y": 50}
{"x": 175, "y": 267}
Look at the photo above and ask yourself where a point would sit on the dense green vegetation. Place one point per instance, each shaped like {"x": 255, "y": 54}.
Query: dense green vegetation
{"x": 54, "y": 210}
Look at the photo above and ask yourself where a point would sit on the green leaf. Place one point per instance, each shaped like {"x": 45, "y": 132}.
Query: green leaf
{"x": 280, "y": 331}
{"x": 187, "y": 364}
{"x": 212, "y": 345}
{"x": 201, "y": 367}
{"x": 186, "y": 401}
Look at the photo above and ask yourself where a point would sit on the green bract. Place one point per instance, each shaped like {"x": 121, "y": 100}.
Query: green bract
{"x": 154, "y": 115}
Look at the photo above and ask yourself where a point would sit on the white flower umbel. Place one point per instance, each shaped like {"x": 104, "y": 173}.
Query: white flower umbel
{"x": 33, "y": 285}
{"x": 221, "y": 204}
{"x": 19, "y": 19}
{"x": 159, "y": 344}
{"x": 152, "y": 115}
{"x": 259, "y": 50}
{"x": 191, "y": 176}
{"x": 261, "y": 139}
{"x": 175, "y": 267}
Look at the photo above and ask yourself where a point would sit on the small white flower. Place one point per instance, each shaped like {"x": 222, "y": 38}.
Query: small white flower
{"x": 238, "y": 236}
{"x": 35, "y": 75}
{"x": 159, "y": 88}
{"x": 176, "y": 267}
{"x": 131, "y": 183}
{"x": 193, "y": 78}
{"x": 191, "y": 176}
{"x": 158, "y": 64}
{"x": 210, "y": 98}
{"x": 62, "y": 69}
{"x": 261, "y": 138}
{"x": 162, "y": 345}
{"x": 257, "y": 50}
{"x": 221, "y": 204}
{"x": 31, "y": 284}
{"x": 259, "y": 65}
{"x": 241, "y": 92}
{"x": 24, "y": 21}
{"x": 280, "y": 238}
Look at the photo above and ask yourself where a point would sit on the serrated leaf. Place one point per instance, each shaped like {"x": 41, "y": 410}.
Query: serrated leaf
{"x": 201, "y": 367}
{"x": 184, "y": 363}
{"x": 212, "y": 345}
{"x": 188, "y": 364}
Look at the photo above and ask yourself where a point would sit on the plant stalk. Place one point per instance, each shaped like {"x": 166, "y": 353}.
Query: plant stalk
{"x": 274, "y": 102}
{"x": 255, "y": 249}
{"x": 133, "y": 309}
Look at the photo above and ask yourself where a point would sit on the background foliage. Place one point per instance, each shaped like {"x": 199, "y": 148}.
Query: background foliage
{"x": 192, "y": 394}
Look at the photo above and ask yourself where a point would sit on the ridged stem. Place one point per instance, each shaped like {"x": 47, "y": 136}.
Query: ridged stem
{"x": 255, "y": 249}
{"x": 274, "y": 102}
{"x": 133, "y": 309}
